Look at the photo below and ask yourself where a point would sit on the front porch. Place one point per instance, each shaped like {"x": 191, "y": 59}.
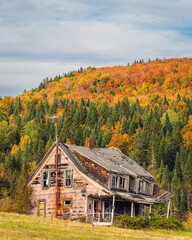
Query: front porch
{"x": 101, "y": 210}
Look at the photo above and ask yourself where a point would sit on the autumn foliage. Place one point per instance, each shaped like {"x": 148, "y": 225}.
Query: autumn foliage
{"x": 144, "y": 109}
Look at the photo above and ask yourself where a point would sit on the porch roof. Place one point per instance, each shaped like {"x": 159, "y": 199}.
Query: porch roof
{"x": 138, "y": 198}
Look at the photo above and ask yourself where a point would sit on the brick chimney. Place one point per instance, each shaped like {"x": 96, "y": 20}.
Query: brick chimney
{"x": 88, "y": 142}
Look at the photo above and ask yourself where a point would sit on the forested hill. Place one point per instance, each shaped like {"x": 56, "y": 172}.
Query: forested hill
{"x": 144, "y": 109}
{"x": 148, "y": 82}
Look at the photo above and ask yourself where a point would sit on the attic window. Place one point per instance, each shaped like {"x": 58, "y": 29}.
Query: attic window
{"x": 68, "y": 178}
{"x": 45, "y": 179}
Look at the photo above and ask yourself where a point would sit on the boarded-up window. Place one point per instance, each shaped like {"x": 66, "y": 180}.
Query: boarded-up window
{"x": 41, "y": 208}
{"x": 68, "y": 178}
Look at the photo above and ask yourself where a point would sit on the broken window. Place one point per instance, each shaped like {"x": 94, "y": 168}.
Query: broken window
{"x": 107, "y": 211}
{"x": 67, "y": 202}
{"x": 141, "y": 186}
{"x": 68, "y": 178}
{"x": 45, "y": 179}
{"x": 121, "y": 182}
{"x": 115, "y": 181}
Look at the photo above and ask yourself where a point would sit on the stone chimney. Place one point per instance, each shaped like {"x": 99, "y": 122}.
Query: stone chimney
{"x": 88, "y": 142}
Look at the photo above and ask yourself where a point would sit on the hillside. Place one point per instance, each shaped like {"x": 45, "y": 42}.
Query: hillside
{"x": 144, "y": 109}
{"x": 15, "y": 227}
{"x": 148, "y": 82}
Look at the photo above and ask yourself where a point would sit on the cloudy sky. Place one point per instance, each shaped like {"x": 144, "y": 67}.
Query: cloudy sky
{"x": 44, "y": 38}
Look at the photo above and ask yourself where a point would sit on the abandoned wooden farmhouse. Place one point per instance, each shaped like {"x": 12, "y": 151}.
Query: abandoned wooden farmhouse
{"x": 73, "y": 182}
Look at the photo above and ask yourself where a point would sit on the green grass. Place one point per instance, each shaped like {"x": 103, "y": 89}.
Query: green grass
{"x": 19, "y": 227}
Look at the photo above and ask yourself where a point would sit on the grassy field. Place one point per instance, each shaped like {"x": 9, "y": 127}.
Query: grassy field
{"x": 19, "y": 227}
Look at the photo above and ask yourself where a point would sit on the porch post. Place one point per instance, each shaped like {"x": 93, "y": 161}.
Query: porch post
{"x": 168, "y": 208}
{"x": 150, "y": 211}
{"x": 113, "y": 209}
{"x": 132, "y": 212}
{"x": 86, "y": 202}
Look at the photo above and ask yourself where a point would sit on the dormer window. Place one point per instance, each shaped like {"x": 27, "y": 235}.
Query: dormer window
{"x": 115, "y": 181}
{"x": 147, "y": 188}
{"x": 118, "y": 182}
{"x": 141, "y": 186}
{"x": 121, "y": 182}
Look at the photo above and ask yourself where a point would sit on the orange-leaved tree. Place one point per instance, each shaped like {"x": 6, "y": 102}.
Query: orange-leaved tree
{"x": 123, "y": 142}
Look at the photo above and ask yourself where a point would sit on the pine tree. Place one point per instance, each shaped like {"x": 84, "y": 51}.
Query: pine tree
{"x": 187, "y": 170}
{"x": 183, "y": 203}
{"x": 168, "y": 126}
{"x": 165, "y": 178}
{"x": 183, "y": 157}
{"x": 153, "y": 151}
{"x": 125, "y": 126}
{"x": 140, "y": 152}
{"x": 124, "y": 108}
{"x": 178, "y": 167}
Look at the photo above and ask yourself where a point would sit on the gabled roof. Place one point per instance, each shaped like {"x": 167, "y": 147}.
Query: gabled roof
{"x": 111, "y": 159}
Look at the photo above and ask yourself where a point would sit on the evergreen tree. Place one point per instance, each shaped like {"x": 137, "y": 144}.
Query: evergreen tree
{"x": 125, "y": 126}
{"x": 183, "y": 203}
{"x": 183, "y": 157}
{"x": 178, "y": 167}
{"x": 165, "y": 178}
{"x": 187, "y": 170}
{"x": 140, "y": 152}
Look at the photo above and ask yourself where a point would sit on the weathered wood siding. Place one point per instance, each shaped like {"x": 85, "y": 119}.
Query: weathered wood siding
{"x": 94, "y": 170}
{"x": 81, "y": 187}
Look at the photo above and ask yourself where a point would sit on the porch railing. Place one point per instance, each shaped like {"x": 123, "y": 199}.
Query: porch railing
{"x": 99, "y": 217}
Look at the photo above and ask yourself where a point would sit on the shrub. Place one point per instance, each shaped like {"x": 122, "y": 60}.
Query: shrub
{"x": 188, "y": 224}
{"x": 158, "y": 222}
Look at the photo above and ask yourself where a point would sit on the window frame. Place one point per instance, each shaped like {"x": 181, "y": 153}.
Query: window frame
{"x": 48, "y": 180}
{"x": 123, "y": 184}
{"x": 148, "y": 188}
{"x": 141, "y": 186}
{"x": 38, "y": 209}
{"x": 67, "y": 200}
{"x": 115, "y": 180}
{"x": 71, "y": 178}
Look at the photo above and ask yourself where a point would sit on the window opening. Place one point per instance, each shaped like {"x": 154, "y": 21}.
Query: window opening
{"x": 106, "y": 211}
{"x": 140, "y": 186}
{"x": 122, "y": 182}
{"x": 45, "y": 181}
{"x": 115, "y": 181}
{"x": 67, "y": 202}
{"x": 68, "y": 178}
